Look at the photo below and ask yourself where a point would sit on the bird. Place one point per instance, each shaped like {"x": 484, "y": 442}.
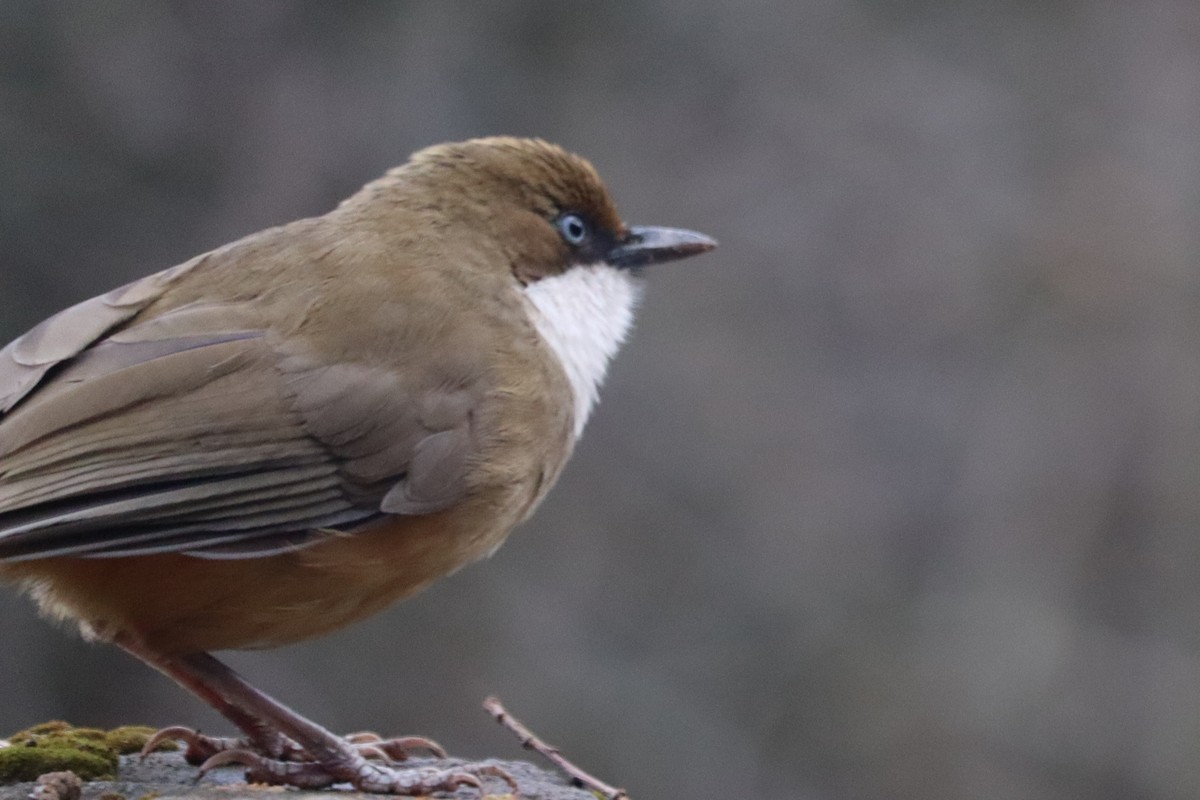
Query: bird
{"x": 289, "y": 433}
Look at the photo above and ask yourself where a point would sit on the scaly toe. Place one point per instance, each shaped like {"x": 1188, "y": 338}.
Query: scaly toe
{"x": 414, "y": 781}
{"x": 259, "y": 769}
{"x": 358, "y": 772}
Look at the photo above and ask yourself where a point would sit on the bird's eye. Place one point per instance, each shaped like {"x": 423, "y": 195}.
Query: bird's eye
{"x": 573, "y": 229}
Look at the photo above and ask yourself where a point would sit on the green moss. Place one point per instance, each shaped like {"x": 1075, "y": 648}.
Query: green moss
{"x": 90, "y": 753}
{"x": 41, "y": 729}
{"x": 26, "y": 762}
{"x": 88, "y": 740}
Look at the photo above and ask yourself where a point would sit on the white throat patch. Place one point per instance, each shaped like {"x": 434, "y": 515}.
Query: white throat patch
{"x": 584, "y": 314}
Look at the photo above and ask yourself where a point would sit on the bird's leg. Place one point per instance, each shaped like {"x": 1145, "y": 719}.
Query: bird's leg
{"x": 334, "y": 760}
{"x": 327, "y": 758}
{"x": 258, "y": 735}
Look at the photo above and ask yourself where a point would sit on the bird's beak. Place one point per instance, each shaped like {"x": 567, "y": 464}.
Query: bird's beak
{"x": 644, "y": 245}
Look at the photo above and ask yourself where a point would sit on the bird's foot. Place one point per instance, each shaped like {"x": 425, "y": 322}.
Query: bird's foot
{"x": 277, "y": 747}
{"x": 352, "y": 767}
{"x": 200, "y": 747}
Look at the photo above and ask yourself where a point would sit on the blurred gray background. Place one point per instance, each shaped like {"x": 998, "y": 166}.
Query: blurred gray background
{"x": 896, "y": 495}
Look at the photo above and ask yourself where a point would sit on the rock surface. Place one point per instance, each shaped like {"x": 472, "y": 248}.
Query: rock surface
{"x": 167, "y": 775}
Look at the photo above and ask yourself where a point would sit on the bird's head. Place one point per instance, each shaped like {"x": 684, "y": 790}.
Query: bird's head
{"x": 546, "y": 209}
{"x": 530, "y": 210}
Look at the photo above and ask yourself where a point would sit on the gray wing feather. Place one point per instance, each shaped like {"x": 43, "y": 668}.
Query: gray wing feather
{"x": 26, "y": 360}
{"x": 192, "y": 433}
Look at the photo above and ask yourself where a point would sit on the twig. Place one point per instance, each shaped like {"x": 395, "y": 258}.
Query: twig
{"x": 531, "y": 742}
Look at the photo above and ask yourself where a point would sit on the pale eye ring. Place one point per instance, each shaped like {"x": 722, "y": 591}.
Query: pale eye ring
{"x": 573, "y": 229}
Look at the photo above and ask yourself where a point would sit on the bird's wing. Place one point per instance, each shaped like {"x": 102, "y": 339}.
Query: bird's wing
{"x": 193, "y": 432}
{"x": 26, "y": 360}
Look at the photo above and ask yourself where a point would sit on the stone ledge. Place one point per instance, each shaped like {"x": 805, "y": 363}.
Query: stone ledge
{"x": 167, "y": 775}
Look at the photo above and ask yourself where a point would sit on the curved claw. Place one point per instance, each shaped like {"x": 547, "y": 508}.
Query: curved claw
{"x": 173, "y": 733}
{"x": 371, "y": 751}
{"x": 199, "y": 746}
{"x": 398, "y": 748}
{"x": 497, "y": 772}
{"x": 455, "y": 779}
{"x": 244, "y": 758}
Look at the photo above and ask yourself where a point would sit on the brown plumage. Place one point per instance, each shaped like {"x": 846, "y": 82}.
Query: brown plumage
{"x": 293, "y": 431}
